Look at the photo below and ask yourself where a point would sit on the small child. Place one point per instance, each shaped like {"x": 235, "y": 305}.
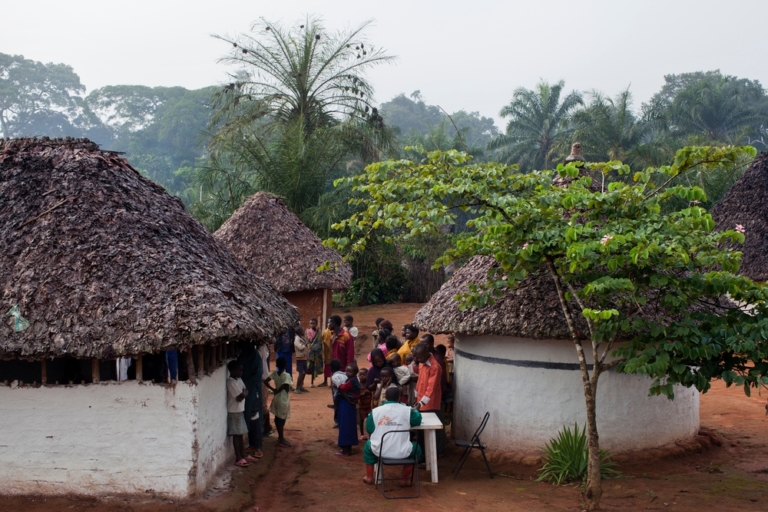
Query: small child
{"x": 301, "y": 345}
{"x": 392, "y": 344}
{"x": 345, "y": 402}
{"x": 411, "y": 365}
{"x": 449, "y": 353}
{"x": 386, "y": 382}
{"x": 281, "y": 405}
{"x": 315, "y": 358}
{"x": 349, "y": 326}
{"x": 376, "y": 332}
{"x": 364, "y": 403}
{"x": 337, "y": 379}
{"x": 236, "y": 426}
{"x": 402, "y": 376}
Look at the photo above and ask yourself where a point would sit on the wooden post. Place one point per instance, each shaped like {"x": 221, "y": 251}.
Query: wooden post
{"x": 190, "y": 367}
{"x": 95, "y": 373}
{"x": 44, "y": 372}
{"x": 200, "y": 360}
{"x": 140, "y": 368}
{"x": 209, "y": 359}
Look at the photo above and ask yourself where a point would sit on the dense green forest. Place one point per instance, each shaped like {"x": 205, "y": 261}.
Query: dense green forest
{"x": 291, "y": 122}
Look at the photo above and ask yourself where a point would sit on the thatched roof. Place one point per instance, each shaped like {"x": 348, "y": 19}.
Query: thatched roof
{"x": 102, "y": 262}
{"x": 530, "y": 310}
{"x": 271, "y": 242}
{"x": 746, "y": 203}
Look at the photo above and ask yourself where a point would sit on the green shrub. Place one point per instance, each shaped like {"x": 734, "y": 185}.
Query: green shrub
{"x": 567, "y": 458}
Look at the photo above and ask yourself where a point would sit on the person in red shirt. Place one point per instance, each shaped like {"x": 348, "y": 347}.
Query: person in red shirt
{"x": 429, "y": 388}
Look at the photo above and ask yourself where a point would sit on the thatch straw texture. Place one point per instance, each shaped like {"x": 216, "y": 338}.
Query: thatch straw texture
{"x": 746, "y": 203}
{"x": 271, "y": 242}
{"x": 530, "y": 310}
{"x": 104, "y": 263}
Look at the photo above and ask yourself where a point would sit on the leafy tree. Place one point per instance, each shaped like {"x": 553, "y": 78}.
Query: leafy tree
{"x": 641, "y": 286}
{"x": 711, "y": 106}
{"x": 537, "y": 133}
{"x": 36, "y": 98}
{"x": 609, "y": 129}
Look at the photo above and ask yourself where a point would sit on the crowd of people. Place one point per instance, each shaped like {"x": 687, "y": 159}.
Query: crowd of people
{"x": 403, "y": 378}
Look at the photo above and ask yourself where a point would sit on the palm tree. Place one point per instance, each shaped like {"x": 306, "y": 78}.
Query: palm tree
{"x": 537, "y": 132}
{"x": 298, "y": 72}
{"x": 609, "y": 129}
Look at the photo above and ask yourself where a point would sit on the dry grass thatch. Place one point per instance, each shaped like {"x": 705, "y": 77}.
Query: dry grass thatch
{"x": 530, "y": 310}
{"x": 271, "y": 242}
{"x": 746, "y": 203}
{"x": 104, "y": 263}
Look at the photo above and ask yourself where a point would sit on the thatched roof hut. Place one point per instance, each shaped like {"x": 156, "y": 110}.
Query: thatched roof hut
{"x": 270, "y": 241}
{"x": 102, "y": 262}
{"x": 746, "y": 204}
{"x": 530, "y": 310}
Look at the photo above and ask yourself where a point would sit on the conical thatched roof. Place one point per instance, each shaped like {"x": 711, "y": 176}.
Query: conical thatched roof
{"x": 271, "y": 242}
{"x": 530, "y": 310}
{"x": 746, "y": 203}
{"x": 102, "y": 262}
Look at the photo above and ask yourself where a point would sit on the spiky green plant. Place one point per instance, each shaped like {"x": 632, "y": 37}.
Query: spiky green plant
{"x": 567, "y": 458}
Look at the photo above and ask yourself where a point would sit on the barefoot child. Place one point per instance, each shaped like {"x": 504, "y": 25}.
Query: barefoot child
{"x": 301, "y": 345}
{"x": 364, "y": 403}
{"x": 315, "y": 358}
{"x": 281, "y": 405}
{"x": 236, "y": 427}
{"x": 346, "y": 404}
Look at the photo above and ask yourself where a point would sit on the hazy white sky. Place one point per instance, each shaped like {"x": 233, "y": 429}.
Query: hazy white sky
{"x": 460, "y": 54}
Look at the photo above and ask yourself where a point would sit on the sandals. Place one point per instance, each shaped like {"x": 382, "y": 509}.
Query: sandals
{"x": 284, "y": 444}
{"x": 248, "y": 458}
{"x": 242, "y": 463}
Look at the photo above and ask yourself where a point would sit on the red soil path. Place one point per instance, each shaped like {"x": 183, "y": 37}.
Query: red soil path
{"x": 308, "y": 476}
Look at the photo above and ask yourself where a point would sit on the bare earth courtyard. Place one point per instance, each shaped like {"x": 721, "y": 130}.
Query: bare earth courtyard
{"x": 725, "y": 470}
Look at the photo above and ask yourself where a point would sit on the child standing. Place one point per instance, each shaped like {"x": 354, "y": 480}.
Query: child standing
{"x": 402, "y": 375}
{"x": 315, "y": 357}
{"x": 236, "y": 427}
{"x": 364, "y": 403}
{"x": 346, "y": 403}
{"x": 301, "y": 345}
{"x": 281, "y": 405}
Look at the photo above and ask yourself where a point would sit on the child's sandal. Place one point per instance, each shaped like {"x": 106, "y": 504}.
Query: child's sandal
{"x": 242, "y": 463}
{"x": 248, "y": 458}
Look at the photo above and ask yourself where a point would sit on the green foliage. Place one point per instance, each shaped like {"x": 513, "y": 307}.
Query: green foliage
{"x": 537, "y": 133}
{"x": 34, "y": 95}
{"x": 566, "y": 458}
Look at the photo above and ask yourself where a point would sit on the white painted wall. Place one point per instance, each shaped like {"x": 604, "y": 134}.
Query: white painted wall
{"x": 112, "y": 438}
{"x": 529, "y": 405}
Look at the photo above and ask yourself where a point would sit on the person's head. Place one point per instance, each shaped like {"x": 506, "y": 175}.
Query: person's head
{"x": 421, "y": 353}
{"x": 362, "y": 374}
{"x": 377, "y": 358}
{"x": 386, "y": 324}
{"x": 409, "y": 358}
{"x": 386, "y": 376}
{"x": 392, "y": 343}
{"x": 313, "y": 324}
{"x": 441, "y": 349}
{"x": 348, "y": 321}
{"x": 281, "y": 363}
{"x": 392, "y": 394}
{"x": 235, "y": 368}
{"x": 451, "y": 341}
{"x": 429, "y": 341}
{"x": 351, "y": 370}
{"x": 403, "y": 331}
{"x": 378, "y": 322}
{"x": 384, "y": 334}
{"x": 396, "y": 361}
{"x": 334, "y": 322}
{"x": 410, "y": 332}
{"x": 299, "y": 331}
{"x": 335, "y": 365}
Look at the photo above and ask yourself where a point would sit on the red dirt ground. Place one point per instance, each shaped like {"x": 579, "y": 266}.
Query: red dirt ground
{"x": 729, "y": 477}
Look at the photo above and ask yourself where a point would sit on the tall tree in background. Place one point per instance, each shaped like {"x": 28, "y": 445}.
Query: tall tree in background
{"x": 298, "y": 104}
{"x": 33, "y": 95}
{"x": 537, "y": 133}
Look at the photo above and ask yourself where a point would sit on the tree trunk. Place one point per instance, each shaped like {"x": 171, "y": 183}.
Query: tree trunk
{"x": 593, "y": 489}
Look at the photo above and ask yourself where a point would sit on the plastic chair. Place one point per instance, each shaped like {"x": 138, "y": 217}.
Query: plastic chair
{"x": 409, "y": 461}
{"x": 474, "y": 444}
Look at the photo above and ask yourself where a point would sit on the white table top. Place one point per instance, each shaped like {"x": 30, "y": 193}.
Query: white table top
{"x": 429, "y": 421}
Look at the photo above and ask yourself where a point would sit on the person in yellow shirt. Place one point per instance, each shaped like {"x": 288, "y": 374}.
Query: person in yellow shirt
{"x": 411, "y": 340}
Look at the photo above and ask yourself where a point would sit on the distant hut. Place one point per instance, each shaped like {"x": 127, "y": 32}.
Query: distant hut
{"x": 271, "y": 242}
{"x": 99, "y": 264}
{"x": 746, "y": 204}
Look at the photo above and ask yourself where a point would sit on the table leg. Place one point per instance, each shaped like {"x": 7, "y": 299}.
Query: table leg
{"x": 427, "y": 450}
{"x": 433, "y": 454}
